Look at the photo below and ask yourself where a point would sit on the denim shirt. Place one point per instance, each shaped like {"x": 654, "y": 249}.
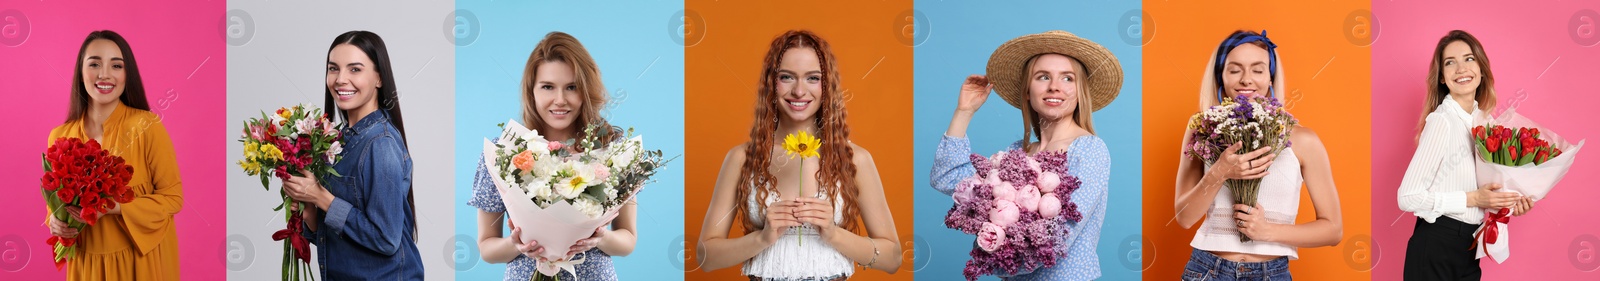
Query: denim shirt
{"x": 366, "y": 233}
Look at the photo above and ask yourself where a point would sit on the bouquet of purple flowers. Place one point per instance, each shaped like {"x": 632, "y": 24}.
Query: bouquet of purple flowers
{"x": 1253, "y": 121}
{"x": 1018, "y": 206}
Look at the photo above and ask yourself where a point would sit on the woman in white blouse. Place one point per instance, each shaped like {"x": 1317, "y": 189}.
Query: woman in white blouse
{"x": 1440, "y": 186}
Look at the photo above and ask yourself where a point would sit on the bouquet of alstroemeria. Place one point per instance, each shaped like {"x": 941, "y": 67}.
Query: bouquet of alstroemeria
{"x": 1253, "y": 122}
{"x": 284, "y": 143}
{"x": 81, "y": 174}
{"x": 1529, "y": 159}
{"x": 566, "y": 189}
{"x": 1018, "y": 206}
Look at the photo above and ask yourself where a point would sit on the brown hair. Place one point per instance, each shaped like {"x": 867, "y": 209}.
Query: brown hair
{"x": 133, "y": 86}
{"x": 838, "y": 172}
{"x": 1083, "y": 115}
{"x": 1437, "y": 91}
{"x": 561, "y": 47}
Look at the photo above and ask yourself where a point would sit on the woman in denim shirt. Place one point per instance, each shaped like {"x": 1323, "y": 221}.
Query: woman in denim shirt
{"x": 365, "y": 221}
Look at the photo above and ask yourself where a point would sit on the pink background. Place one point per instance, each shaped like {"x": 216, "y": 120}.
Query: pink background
{"x": 1523, "y": 41}
{"x": 181, "y": 55}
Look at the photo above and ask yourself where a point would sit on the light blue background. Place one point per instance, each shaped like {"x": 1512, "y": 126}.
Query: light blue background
{"x": 640, "y": 65}
{"x": 963, "y": 35}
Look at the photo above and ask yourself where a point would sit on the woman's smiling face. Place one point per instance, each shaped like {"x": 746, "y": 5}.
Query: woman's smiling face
{"x": 1460, "y": 71}
{"x": 352, "y": 78}
{"x": 1246, "y": 71}
{"x": 104, "y": 71}
{"x": 799, "y": 83}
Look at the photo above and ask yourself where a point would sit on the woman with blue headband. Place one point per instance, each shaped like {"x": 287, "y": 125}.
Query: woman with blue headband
{"x": 1247, "y": 63}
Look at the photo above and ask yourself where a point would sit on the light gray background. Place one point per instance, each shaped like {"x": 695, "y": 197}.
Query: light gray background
{"x": 277, "y": 54}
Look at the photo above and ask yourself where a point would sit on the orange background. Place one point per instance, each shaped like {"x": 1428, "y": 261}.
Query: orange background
{"x": 1329, "y": 91}
{"x": 721, "y": 75}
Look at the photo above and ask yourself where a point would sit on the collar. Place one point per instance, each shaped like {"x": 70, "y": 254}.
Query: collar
{"x": 367, "y": 124}
{"x": 1455, "y": 109}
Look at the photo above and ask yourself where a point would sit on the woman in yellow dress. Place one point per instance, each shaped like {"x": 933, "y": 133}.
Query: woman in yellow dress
{"x": 137, "y": 240}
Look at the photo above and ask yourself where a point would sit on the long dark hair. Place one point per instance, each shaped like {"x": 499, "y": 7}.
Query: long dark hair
{"x": 132, "y": 85}
{"x": 388, "y": 95}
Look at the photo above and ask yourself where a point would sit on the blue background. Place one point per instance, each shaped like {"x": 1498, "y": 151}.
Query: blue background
{"x": 640, "y": 65}
{"x": 962, "y": 35}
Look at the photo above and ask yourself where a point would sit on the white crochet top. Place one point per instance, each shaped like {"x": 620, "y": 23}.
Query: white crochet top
{"x": 791, "y": 259}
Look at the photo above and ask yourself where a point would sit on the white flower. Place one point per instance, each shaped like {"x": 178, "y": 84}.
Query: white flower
{"x": 334, "y": 150}
{"x": 622, "y": 159}
{"x": 539, "y": 190}
{"x": 589, "y": 206}
{"x": 305, "y": 126}
{"x": 611, "y": 192}
{"x": 579, "y": 179}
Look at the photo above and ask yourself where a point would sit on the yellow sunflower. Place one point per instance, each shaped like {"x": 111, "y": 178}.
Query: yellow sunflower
{"x": 801, "y": 144}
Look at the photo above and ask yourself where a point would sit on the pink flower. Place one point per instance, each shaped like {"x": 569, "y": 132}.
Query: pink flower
{"x": 1004, "y": 213}
{"x": 257, "y": 133}
{"x": 1028, "y": 198}
{"x": 1048, "y": 181}
{"x": 328, "y": 128}
{"x": 963, "y": 193}
{"x": 1005, "y": 192}
{"x": 555, "y": 145}
{"x": 1049, "y": 205}
{"x": 994, "y": 178}
{"x": 991, "y": 237}
{"x": 1033, "y": 165}
{"x": 601, "y": 172}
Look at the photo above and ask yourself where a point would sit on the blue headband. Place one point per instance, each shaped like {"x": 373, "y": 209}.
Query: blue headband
{"x": 1235, "y": 41}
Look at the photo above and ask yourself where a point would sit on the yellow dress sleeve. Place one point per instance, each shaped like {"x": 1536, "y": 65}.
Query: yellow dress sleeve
{"x": 148, "y": 218}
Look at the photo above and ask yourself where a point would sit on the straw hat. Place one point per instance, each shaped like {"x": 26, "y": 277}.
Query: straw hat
{"x": 1104, "y": 73}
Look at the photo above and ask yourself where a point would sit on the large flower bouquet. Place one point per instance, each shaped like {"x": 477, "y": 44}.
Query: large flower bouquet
{"x": 566, "y": 189}
{"x": 1254, "y": 122}
{"x": 81, "y": 174}
{"x": 284, "y": 143}
{"x": 1521, "y": 156}
{"x": 1018, "y": 206}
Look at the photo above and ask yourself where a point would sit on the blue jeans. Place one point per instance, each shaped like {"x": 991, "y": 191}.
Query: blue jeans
{"x": 1206, "y": 266}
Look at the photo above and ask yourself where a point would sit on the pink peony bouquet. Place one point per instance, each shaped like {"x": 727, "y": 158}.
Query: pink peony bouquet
{"x": 1018, "y": 206}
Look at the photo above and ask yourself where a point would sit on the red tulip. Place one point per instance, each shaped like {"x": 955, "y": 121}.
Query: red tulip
{"x": 1494, "y": 144}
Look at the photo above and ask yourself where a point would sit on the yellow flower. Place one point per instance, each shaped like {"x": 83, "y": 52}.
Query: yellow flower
{"x": 803, "y": 145}
{"x": 285, "y": 113}
{"x": 270, "y": 151}
{"x": 250, "y": 167}
{"x": 252, "y": 150}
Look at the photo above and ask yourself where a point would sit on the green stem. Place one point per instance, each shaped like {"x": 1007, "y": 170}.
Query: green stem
{"x": 800, "y": 190}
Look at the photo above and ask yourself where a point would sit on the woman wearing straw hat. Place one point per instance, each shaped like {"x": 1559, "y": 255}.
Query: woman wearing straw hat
{"x": 1246, "y": 63}
{"x": 1056, "y": 79}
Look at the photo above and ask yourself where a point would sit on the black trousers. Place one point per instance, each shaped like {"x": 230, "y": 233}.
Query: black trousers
{"x": 1442, "y": 251}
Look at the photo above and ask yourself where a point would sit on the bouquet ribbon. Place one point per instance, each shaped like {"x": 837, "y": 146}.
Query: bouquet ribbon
{"x": 1490, "y": 233}
{"x": 302, "y": 248}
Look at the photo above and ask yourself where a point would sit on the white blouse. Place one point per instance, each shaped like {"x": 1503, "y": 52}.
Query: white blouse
{"x": 1441, "y": 171}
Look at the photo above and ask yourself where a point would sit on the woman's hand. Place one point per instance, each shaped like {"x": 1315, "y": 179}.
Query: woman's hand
{"x": 973, "y": 93}
{"x": 584, "y": 245}
{"x": 530, "y": 249}
{"x": 1522, "y": 206}
{"x": 818, "y": 212}
{"x": 76, "y": 213}
{"x": 305, "y": 188}
{"x": 780, "y": 217}
{"x": 1487, "y": 197}
{"x": 59, "y": 228}
{"x": 1252, "y": 222}
{"x": 1251, "y": 165}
